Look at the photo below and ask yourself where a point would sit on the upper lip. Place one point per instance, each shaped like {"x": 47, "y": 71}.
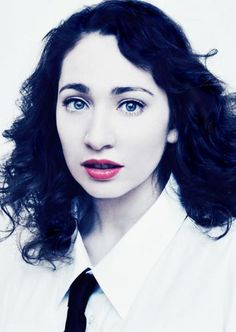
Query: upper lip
{"x": 101, "y": 162}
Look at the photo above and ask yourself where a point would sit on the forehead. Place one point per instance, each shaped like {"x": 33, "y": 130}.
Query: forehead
{"x": 97, "y": 60}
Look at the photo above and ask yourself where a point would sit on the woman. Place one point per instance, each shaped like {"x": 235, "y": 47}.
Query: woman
{"x": 123, "y": 166}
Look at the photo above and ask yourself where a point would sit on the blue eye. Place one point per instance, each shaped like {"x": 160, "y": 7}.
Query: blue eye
{"x": 74, "y": 104}
{"x": 132, "y": 107}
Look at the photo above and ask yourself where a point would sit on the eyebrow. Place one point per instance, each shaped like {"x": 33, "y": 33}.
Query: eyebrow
{"x": 76, "y": 86}
{"x": 120, "y": 90}
{"x": 116, "y": 91}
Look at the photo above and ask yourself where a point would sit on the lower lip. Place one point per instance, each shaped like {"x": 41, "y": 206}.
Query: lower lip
{"x": 102, "y": 174}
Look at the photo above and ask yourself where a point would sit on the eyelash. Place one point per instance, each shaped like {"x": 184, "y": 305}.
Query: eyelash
{"x": 141, "y": 105}
{"x": 66, "y": 103}
{"x": 138, "y": 103}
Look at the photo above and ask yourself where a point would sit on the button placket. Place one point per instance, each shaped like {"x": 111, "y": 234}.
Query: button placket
{"x": 91, "y": 319}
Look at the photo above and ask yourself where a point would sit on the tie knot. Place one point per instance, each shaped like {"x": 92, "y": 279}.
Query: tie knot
{"x": 80, "y": 291}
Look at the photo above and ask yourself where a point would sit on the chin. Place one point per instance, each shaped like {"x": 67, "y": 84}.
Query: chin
{"x": 104, "y": 191}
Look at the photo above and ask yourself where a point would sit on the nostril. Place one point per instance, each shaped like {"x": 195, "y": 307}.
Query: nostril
{"x": 99, "y": 140}
{"x": 97, "y": 146}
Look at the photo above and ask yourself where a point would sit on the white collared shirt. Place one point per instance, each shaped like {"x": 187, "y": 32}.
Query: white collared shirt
{"x": 164, "y": 275}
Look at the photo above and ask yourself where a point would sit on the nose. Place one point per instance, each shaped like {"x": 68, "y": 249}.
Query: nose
{"x": 99, "y": 134}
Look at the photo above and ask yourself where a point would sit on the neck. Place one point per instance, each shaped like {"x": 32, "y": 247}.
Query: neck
{"x": 115, "y": 216}
{"x": 121, "y": 213}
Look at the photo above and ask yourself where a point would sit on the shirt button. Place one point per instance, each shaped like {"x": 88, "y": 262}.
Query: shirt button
{"x": 90, "y": 319}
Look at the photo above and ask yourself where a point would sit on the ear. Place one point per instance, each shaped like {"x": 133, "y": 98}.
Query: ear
{"x": 172, "y": 136}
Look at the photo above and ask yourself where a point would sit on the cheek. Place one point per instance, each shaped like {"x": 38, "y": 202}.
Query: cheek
{"x": 145, "y": 147}
{"x": 147, "y": 138}
{"x": 71, "y": 139}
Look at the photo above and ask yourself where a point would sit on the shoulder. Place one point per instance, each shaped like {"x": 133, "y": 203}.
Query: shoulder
{"x": 8, "y": 243}
{"x": 230, "y": 243}
{"x": 218, "y": 254}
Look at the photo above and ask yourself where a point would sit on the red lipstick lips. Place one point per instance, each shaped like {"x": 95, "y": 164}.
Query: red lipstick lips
{"x": 102, "y": 169}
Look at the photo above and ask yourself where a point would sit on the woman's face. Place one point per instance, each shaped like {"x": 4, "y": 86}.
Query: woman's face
{"x": 110, "y": 112}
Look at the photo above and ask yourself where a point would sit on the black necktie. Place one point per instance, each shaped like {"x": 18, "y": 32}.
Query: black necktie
{"x": 79, "y": 293}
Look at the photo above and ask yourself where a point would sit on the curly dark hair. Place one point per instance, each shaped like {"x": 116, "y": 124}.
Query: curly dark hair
{"x": 37, "y": 190}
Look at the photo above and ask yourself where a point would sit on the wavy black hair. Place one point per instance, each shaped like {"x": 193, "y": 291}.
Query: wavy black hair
{"x": 37, "y": 190}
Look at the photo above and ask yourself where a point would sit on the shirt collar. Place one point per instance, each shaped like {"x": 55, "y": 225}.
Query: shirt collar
{"x": 122, "y": 272}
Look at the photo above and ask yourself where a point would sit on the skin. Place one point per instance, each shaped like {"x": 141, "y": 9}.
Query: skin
{"x": 130, "y": 128}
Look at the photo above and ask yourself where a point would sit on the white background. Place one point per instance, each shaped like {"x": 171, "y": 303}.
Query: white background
{"x": 23, "y": 23}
